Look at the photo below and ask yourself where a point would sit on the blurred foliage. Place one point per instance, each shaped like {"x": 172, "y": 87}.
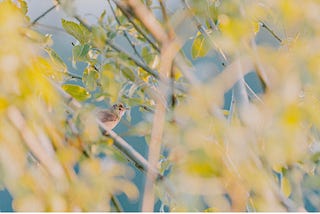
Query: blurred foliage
{"x": 34, "y": 123}
{"x": 262, "y": 155}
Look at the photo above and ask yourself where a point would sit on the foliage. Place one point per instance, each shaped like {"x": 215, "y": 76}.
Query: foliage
{"x": 252, "y": 152}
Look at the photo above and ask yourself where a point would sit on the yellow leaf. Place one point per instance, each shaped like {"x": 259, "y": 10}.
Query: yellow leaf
{"x": 286, "y": 186}
{"x": 200, "y": 46}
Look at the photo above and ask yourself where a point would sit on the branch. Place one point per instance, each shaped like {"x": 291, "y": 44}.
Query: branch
{"x": 240, "y": 92}
{"x": 143, "y": 14}
{"x": 119, "y": 143}
{"x": 123, "y": 9}
{"x": 45, "y": 158}
{"x": 125, "y": 33}
{"x": 169, "y": 49}
{"x": 270, "y": 31}
{"x": 203, "y": 31}
{"x": 116, "y": 203}
{"x": 118, "y": 49}
{"x": 141, "y": 65}
{"x": 42, "y": 15}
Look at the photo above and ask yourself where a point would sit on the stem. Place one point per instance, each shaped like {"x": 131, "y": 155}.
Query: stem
{"x": 125, "y": 33}
{"x": 42, "y": 15}
{"x": 270, "y": 31}
{"x": 118, "y": 49}
{"x": 121, "y": 6}
{"x": 116, "y": 204}
{"x": 203, "y": 31}
{"x": 119, "y": 143}
{"x": 49, "y": 161}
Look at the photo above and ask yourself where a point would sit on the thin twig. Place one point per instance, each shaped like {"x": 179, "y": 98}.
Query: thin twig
{"x": 169, "y": 49}
{"x": 119, "y": 143}
{"x": 252, "y": 92}
{"x": 118, "y": 49}
{"x": 140, "y": 64}
{"x": 116, "y": 204}
{"x": 121, "y": 6}
{"x": 43, "y": 14}
{"x": 240, "y": 95}
{"x": 48, "y": 161}
{"x": 203, "y": 31}
{"x": 270, "y": 31}
{"x": 149, "y": 21}
{"x": 126, "y": 34}
{"x": 171, "y": 35}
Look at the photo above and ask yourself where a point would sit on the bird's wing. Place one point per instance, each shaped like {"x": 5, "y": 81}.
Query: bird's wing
{"x": 106, "y": 116}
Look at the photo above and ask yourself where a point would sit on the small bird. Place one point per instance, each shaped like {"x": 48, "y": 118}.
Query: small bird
{"x": 111, "y": 117}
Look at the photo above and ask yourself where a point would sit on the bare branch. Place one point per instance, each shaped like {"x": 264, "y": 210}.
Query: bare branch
{"x": 125, "y": 33}
{"x": 203, "y": 31}
{"x": 169, "y": 49}
{"x": 123, "y": 9}
{"x": 48, "y": 161}
{"x": 145, "y": 16}
{"x": 270, "y": 31}
{"x": 119, "y": 143}
{"x": 43, "y": 15}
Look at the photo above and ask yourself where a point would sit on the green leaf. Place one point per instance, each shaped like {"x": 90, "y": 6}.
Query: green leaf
{"x": 286, "y": 186}
{"x": 129, "y": 74}
{"x": 103, "y": 14}
{"x": 76, "y": 91}
{"x": 78, "y": 31}
{"x": 200, "y": 46}
{"x": 99, "y": 37}
{"x": 147, "y": 55}
{"x": 79, "y": 53}
{"x": 89, "y": 78}
{"x": 58, "y": 62}
{"x": 23, "y": 6}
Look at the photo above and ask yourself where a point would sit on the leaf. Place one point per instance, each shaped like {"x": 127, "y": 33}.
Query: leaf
{"x": 79, "y": 53}
{"x": 139, "y": 129}
{"x": 99, "y": 37}
{"x": 37, "y": 37}
{"x": 58, "y": 62}
{"x": 103, "y": 14}
{"x": 286, "y": 186}
{"x": 129, "y": 74}
{"x": 76, "y": 91}
{"x": 89, "y": 78}
{"x": 78, "y": 31}
{"x": 23, "y": 6}
{"x": 200, "y": 46}
{"x": 147, "y": 55}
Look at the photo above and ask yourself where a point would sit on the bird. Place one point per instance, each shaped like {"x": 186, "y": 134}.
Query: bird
{"x": 112, "y": 116}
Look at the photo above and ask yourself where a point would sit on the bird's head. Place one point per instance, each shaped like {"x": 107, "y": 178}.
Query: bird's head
{"x": 119, "y": 109}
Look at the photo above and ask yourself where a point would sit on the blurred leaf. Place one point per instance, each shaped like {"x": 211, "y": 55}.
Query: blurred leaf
{"x": 76, "y": 91}
{"x": 78, "y": 31}
{"x": 147, "y": 55}
{"x": 140, "y": 129}
{"x": 99, "y": 37}
{"x": 198, "y": 163}
{"x": 200, "y": 46}
{"x": 129, "y": 74}
{"x": 58, "y": 62}
{"x": 286, "y": 186}
{"x": 109, "y": 82}
{"x": 103, "y": 14}
{"x": 79, "y": 53}
{"x": 37, "y": 37}
{"x": 23, "y": 6}
{"x": 90, "y": 77}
